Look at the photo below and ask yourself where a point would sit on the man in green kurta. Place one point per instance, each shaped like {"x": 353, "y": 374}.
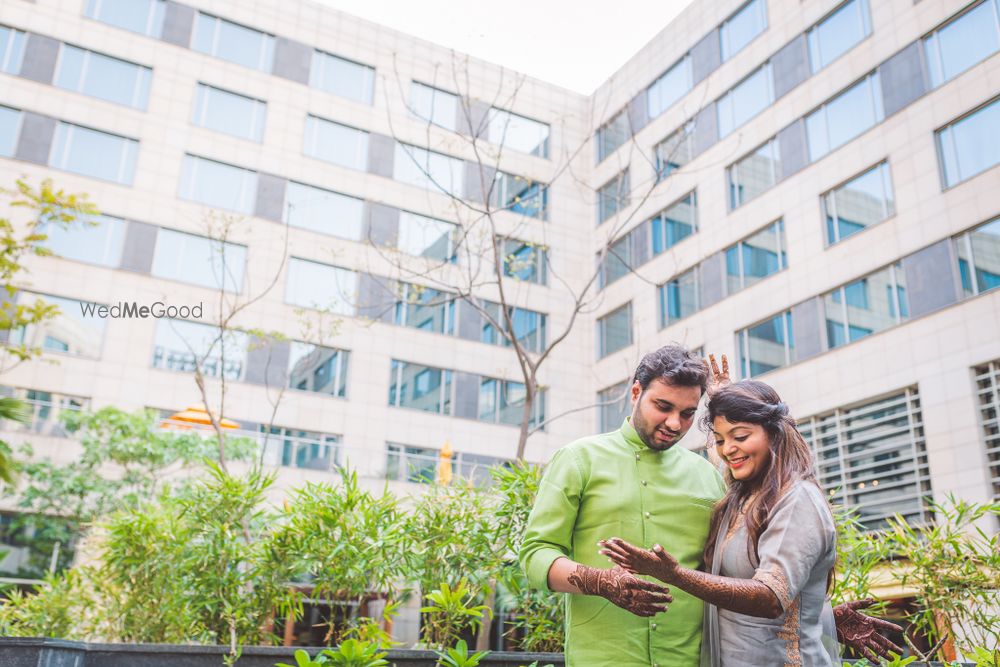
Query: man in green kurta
{"x": 635, "y": 484}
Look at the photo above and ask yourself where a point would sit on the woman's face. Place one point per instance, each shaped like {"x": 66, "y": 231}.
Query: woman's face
{"x": 744, "y": 447}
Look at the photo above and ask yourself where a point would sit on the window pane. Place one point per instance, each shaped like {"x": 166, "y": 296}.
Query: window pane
{"x": 342, "y": 77}
{"x": 844, "y": 117}
{"x": 218, "y": 185}
{"x": 336, "y": 143}
{"x": 235, "y": 43}
{"x": 613, "y": 405}
{"x": 746, "y": 100}
{"x": 199, "y": 260}
{"x": 768, "y": 345}
{"x": 488, "y": 399}
{"x": 324, "y": 211}
{"x": 986, "y": 255}
{"x": 433, "y": 105}
{"x": 98, "y": 240}
{"x": 618, "y": 261}
{"x": 103, "y": 77}
{"x": 512, "y": 397}
{"x": 424, "y": 388}
{"x": 873, "y": 303}
{"x": 75, "y": 330}
{"x": 428, "y": 170}
{"x": 426, "y": 237}
{"x": 838, "y": 32}
{"x": 518, "y": 133}
{"x": 612, "y": 135}
{"x": 181, "y": 345}
{"x": 321, "y": 286}
{"x": 10, "y": 124}
{"x": 426, "y": 309}
{"x": 763, "y": 254}
{"x": 227, "y": 112}
{"x": 524, "y": 261}
{"x": 742, "y": 27}
{"x": 861, "y": 202}
{"x": 964, "y": 42}
{"x": 93, "y": 153}
{"x": 612, "y": 197}
{"x": 318, "y": 369}
{"x": 11, "y": 50}
{"x": 520, "y": 195}
{"x": 615, "y": 330}
{"x": 754, "y": 174}
{"x": 142, "y": 16}
{"x": 674, "y": 152}
{"x": 675, "y": 224}
{"x": 678, "y": 298}
{"x": 973, "y": 144}
{"x": 670, "y": 87}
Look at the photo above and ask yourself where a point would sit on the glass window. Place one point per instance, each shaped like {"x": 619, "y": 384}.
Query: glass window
{"x": 230, "y": 113}
{"x": 324, "y": 211}
{"x": 614, "y": 405}
{"x": 520, "y": 195}
{"x": 46, "y": 411}
{"x": 679, "y": 297}
{"x": 142, "y": 16}
{"x": 767, "y": 345}
{"x": 233, "y": 42}
{"x": 434, "y": 105}
{"x": 970, "y": 145}
{"x": 182, "y": 346}
{"x": 741, "y": 28}
{"x": 76, "y": 329}
{"x": 321, "y": 286}
{"x": 756, "y": 257}
{"x": 677, "y": 222}
{"x": 420, "y": 387}
{"x": 675, "y": 151}
{"x": 754, "y": 174}
{"x": 836, "y": 34}
{"x": 294, "y": 448}
{"x": 859, "y": 203}
{"x": 618, "y": 261}
{"x": 10, "y": 126}
{"x": 965, "y": 41}
{"x": 319, "y": 369}
{"x": 978, "y": 254}
{"x": 11, "y": 50}
{"x": 429, "y": 170}
{"x": 421, "y": 236}
{"x": 865, "y": 306}
{"x": 670, "y": 87}
{"x": 518, "y": 133}
{"x": 528, "y": 327}
{"x": 525, "y": 261}
{"x": 424, "y": 308}
{"x": 987, "y": 379}
{"x": 336, "y": 143}
{"x": 342, "y": 77}
{"x": 94, "y": 153}
{"x": 96, "y": 240}
{"x": 218, "y": 185}
{"x": 612, "y": 135}
{"x": 745, "y": 100}
{"x": 502, "y": 401}
{"x": 417, "y": 465}
{"x": 614, "y": 330}
{"x": 198, "y": 260}
{"x": 613, "y": 196}
{"x": 846, "y": 116}
{"x": 104, "y": 77}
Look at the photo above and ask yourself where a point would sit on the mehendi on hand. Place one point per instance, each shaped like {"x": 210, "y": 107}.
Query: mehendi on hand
{"x": 621, "y": 588}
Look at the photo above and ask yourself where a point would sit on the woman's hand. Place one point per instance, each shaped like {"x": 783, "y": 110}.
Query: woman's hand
{"x": 655, "y": 562}
{"x": 719, "y": 378}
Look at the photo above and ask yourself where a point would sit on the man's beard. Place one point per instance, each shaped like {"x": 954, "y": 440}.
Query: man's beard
{"x": 647, "y": 434}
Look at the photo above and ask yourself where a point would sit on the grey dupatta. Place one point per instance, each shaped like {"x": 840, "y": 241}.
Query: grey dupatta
{"x": 711, "y": 647}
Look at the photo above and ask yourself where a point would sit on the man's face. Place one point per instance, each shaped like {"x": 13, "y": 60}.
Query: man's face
{"x": 663, "y": 413}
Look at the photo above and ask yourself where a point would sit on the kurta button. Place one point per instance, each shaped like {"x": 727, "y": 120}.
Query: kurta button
{"x": 636, "y": 457}
{"x": 653, "y": 626}
{"x": 647, "y": 516}
{"x": 644, "y": 482}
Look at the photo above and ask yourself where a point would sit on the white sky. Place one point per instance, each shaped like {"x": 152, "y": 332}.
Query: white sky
{"x": 577, "y": 45}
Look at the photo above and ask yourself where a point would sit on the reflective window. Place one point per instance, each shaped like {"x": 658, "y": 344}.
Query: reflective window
{"x": 613, "y": 196}
{"x": 318, "y": 369}
{"x": 978, "y": 254}
{"x": 424, "y": 308}
{"x": 865, "y": 306}
{"x": 838, "y": 32}
{"x": 677, "y": 222}
{"x": 11, "y": 50}
{"x": 670, "y": 87}
{"x": 10, "y": 126}
{"x": 525, "y": 261}
{"x": 527, "y": 326}
{"x": 199, "y": 260}
{"x": 746, "y": 99}
{"x": 756, "y": 257}
{"x": 767, "y": 345}
{"x": 76, "y": 329}
{"x": 970, "y": 145}
{"x": 614, "y": 405}
{"x": 321, "y": 286}
{"x": 183, "y": 346}
{"x": 434, "y": 105}
{"x": 518, "y": 133}
{"x": 741, "y": 28}
{"x": 218, "y": 185}
{"x": 336, "y": 143}
{"x": 233, "y": 42}
{"x": 417, "y": 465}
{"x": 46, "y": 411}
{"x": 847, "y": 115}
{"x": 614, "y": 330}
{"x": 142, "y": 16}
{"x": 230, "y": 113}
{"x": 421, "y": 236}
{"x": 520, "y": 195}
{"x": 104, "y": 77}
{"x": 97, "y": 240}
{"x": 859, "y": 203}
{"x": 613, "y": 134}
{"x": 93, "y": 153}
{"x": 618, "y": 261}
{"x": 965, "y": 41}
{"x": 429, "y": 170}
{"x": 324, "y": 211}
{"x": 675, "y": 151}
{"x": 420, "y": 387}
{"x": 342, "y": 77}
{"x": 502, "y": 401}
{"x": 294, "y": 448}
{"x": 679, "y": 297}
{"x": 754, "y": 174}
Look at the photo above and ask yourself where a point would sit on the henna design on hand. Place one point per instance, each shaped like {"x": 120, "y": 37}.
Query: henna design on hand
{"x": 655, "y": 562}
{"x": 858, "y": 631}
{"x": 719, "y": 378}
{"x": 623, "y": 589}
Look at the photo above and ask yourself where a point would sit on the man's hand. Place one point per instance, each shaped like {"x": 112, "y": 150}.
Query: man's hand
{"x": 858, "y": 631}
{"x": 655, "y": 562}
{"x": 621, "y": 588}
{"x": 719, "y": 378}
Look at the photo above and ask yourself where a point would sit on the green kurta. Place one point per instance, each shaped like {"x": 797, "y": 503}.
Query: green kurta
{"x": 613, "y": 485}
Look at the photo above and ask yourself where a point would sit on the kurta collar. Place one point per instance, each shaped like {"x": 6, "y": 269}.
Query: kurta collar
{"x": 635, "y": 443}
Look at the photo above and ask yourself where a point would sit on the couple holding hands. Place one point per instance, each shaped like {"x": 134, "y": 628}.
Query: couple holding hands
{"x": 747, "y": 558}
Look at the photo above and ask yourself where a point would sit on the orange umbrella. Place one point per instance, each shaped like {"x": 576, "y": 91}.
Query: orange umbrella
{"x": 193, "y": 417}
{"x": 444, "y": 464}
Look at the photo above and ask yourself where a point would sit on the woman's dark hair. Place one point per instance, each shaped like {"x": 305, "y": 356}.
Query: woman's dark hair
{"x": 753, "y": 402}
{"x": 673, "y": 364}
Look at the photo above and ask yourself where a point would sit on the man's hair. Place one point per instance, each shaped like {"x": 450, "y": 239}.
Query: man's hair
{"x": 673, "y": 364}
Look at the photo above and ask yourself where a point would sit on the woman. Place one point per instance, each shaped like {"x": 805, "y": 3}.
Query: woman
{"x": 771, "y": 545}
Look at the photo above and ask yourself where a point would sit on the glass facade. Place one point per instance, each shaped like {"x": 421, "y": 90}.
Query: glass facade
{"x": 335, "y": 143}
{"x": 745, "y": 100}
{"x": 103, "y": 77}
{"x": 294, "y": 448}
{"x": 766, "y": 345}
{"x": 420, "y": 387}
{"x": 421, "y": 236}
{"x": 613, "y": 196}
{"x": 742, "y": 27}
{"x": 677, "y": 222}
{"x": 754, "y": 174}
{"x": 218, "y": 185}
{"x": 865, "y": 306}
{"x": 342, "y": 77}
{"x": 859, "y": 203}
{"x": 183, "y": 346}
{"x": 233, "y": 42}
{"x": 229, "y": 113}
{"x": 518, "y": 133}
{"x": 678, "y": 297}
{"x": 93, "y": 153}
{"x": 318, "y": 369}
{"x": 613, "y": 405}
{"x": 613, "y": 134}
{"x": 963, "y": 42}
{"x": 525, "y": 261}
{"x": 74, "y": 330}
{"x": 434, "y": 105}
{"x": 618, "y": 261}
{"x": 520, "y": 195}
{"x": 978, "y": 253}
{"x": 970, "y": 145}
{"x": 844, "y": 117}
{"x": 614, "y": 331}
{"x": 429, "y": 170}
{"x": 838, "y": 33}
{"x": 502, "y": 402}
{"x": 426, "y": 309}
{"x": 98, "y": 240}
{"x": 199, "y": 260}
{"x": 674, "y": 152}
{"x": 527, "y": 326}
{"x": 10, "y": 127}
{"x": 324, "y": 211}
{"x": 142, "y": 16}
{"x": 756, "y": 257}
{"x": 669, "y": 87}
{"x": 320, "y": 286}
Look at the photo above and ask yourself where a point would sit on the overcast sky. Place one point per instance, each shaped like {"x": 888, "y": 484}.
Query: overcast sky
{"x": 576, "y": 44}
